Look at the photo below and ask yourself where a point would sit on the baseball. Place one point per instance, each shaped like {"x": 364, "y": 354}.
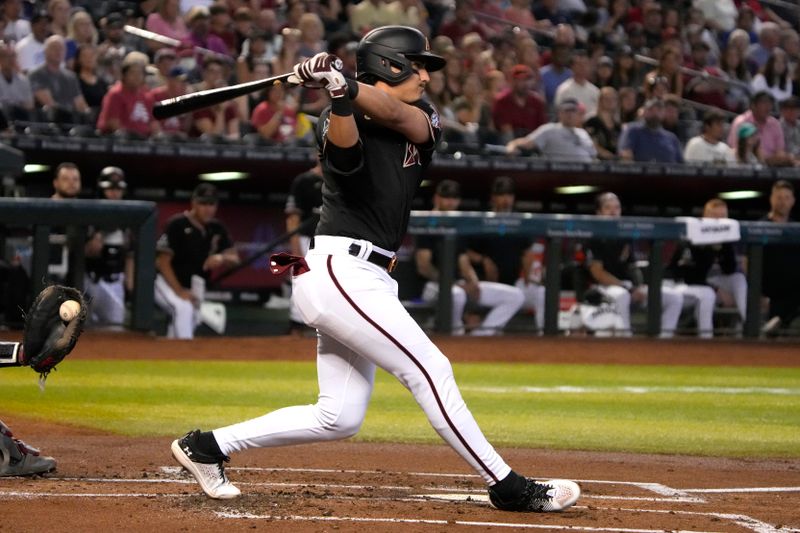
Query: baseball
{"x": 69, "y": 310}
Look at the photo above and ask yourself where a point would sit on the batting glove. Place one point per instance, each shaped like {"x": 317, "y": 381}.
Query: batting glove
{"x": 322, "y": 70}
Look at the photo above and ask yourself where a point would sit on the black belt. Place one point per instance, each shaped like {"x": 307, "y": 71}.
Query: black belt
{"x": 376, "y": 258}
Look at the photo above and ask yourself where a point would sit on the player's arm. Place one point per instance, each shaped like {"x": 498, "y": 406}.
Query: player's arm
{"x": 470, "y": 277}
{"x": 292, "y": 223}
{"x": 601, "y": 275}
{"x": 423, "y": 258}
{"x": 388, "y": 111}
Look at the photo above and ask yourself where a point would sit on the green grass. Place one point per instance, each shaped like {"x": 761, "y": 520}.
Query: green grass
{"x": 718, "y": 411}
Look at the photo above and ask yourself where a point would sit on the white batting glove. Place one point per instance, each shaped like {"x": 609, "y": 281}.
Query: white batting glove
{"x": 322, "y": 70}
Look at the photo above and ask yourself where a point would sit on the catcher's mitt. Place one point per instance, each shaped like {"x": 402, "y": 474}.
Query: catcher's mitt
{"x": 47, "y": 339}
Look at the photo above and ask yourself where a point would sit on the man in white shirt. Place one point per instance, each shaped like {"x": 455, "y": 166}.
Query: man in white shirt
{"x": 708, "y": 147}
{"x": 578, "y": 86}
{"x": 30, "y": 50}
{"x": 16, "y": 27}
{"x": 16, "y": 96}
{"x": 564, "y": 140}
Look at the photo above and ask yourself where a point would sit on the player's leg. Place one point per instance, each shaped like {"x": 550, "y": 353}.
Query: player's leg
{"x": 735, "y": 284}
{"x": 534, "y": 300}
{"x": 622, "y": 304}
{"x": 430, "y": 294}
{"x": 19, "y": 459}
{"x": 345, "y": 385}
{"x": 503, "y": 300}
{"x": 108, "y": 301}
{"x": 361, "y": 309}
{"x": 181, "y": 311}
{"x": 702, "y": 299}
{"x": 671, "y": 306}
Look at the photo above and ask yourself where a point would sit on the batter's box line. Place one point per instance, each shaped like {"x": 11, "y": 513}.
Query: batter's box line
{"x": 670, "y": 494}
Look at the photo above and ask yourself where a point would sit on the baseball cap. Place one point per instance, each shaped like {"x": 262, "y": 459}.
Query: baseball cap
{"x": 571, "y": 104}
{"x": 205, "y": 193}
{"x": 521, "y": 72}
{"x": 448, "y": 189}
{"x": 197, "y": 12}
{"x": 605, "y": 60}
{"x": 503, "y": 185}
{"x": 112, "y": 178}
{"x": 115, "y": 20}
{"x": 177, "y": 72}
{"x": 40, "y": 15}
{"x": 746, "y": 129}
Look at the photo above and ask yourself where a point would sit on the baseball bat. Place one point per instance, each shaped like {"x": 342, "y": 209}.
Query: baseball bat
{"x": 169, "y": 41}
{"x": 194, "y": 101}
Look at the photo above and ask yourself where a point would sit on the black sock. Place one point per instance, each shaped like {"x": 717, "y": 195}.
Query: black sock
{"x": 207, "y": 444}
{"x": 510, "y": 487}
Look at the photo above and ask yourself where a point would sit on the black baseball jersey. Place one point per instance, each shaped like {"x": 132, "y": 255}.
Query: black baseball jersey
{"x": 616, "y": 256}
{"x": 692, "y": 264}
{"x": 190, "y": 245}
{"x": 506, "y": 252}
{"x": 305, "y": 198}
{"x": 373, "y": 202}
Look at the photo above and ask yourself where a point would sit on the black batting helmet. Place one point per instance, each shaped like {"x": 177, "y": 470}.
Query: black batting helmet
{"x": 393, "y": 46}
{"x": 112, "y": 178}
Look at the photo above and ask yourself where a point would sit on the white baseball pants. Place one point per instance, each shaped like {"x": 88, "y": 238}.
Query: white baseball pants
{"x": 361, "y": 324}
{"x": 294, "y": 312}
{"x": 671, "y": 305}
{"x": 183, "y": 314}
{"x": 702, "y": 299}
{"x": 502, "y": 300}
{"x": 534, "y": 300}
{"x": 107, "y": 300}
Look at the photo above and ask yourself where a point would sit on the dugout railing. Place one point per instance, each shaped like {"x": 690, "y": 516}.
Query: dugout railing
{"x": 42, "y": 216}
{"x": 556, "y": 228}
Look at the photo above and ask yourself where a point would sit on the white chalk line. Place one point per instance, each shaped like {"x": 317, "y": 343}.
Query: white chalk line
{"x": 391, "y": 520}
{"x": 634, "y": 389}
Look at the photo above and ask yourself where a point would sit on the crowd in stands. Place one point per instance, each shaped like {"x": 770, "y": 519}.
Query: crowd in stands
{"x": 700, "y": 81}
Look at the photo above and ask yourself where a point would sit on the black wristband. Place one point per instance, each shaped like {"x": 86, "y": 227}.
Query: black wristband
{"x": 341, "y": 106}
{"x": 352, "y": 88}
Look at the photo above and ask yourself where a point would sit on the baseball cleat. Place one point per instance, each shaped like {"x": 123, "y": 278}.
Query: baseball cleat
{"x": 544, "y": 497}
{"x": 207, "y": 470}
{"x": 19, "y": 459}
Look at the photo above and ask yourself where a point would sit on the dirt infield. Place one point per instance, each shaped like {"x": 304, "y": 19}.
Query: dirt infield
{"x": 107, "y": 482}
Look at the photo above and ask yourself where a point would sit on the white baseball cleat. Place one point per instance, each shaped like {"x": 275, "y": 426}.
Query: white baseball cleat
{"x": 206, "y": 469}
{"x": 540, "y": 497}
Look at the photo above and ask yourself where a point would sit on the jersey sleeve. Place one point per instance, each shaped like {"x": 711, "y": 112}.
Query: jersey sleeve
{"x": 169, "y": 239}
{"x": 434, "y": 123}
{"x": 342, "y": 161}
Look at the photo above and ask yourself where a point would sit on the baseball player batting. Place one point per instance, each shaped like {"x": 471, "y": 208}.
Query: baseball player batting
{"x": 375, "y": 142}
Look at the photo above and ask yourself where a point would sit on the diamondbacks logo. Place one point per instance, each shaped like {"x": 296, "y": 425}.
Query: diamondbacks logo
{"x": 412, "y": 156}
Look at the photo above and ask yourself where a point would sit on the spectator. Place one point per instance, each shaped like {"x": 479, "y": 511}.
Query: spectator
{"x": 519, "y": 13}
{"x": 109, "y": 261}
{"x": 288, "y": 55}
{"x": 578, "y": 87}
{"x": 16, "y": 26}
{"x": 302, "y": 214}
{"x": 719, "y": 14}
{"x": 769, "y": 130}
{"x": 220, "y": 25}
{"x": 112, "y": 51}
{"x": 368, "y": 15}
{"x": 669, "y": 67}
{"x": 312, "y": 34}
{"x": 67, "y": 182}
{"x": 613, "y": 28}
{"x": 790, "y": 43}
{"x": 748, "y": 146}
{"x": 604, "y": 127}
{"x": 781, "y": 264}
{"x": 604, "y": 73}
{"x": 174, "y": 87}
{"x": 790, "y": 123}
{"x": 518, "y": 110}
{"x": 564, "y": 140}
{"x": 275, "y": 119}
{"x": 166, "y": 20}
{"x": 648, "y": 141}
{"x": 59, "y": 16}
{"x": 81, "y": 31}
{"x": 165, "y": 59}
{"x": 503, "y": 300}
{"x": 626, "y": 72}
{"x": 708, "y": 88}
{"x": 652, "y": 24}
{"x": 56, "y": 89}
{"x": 708, "y": 147}
{"x": 673, "y": 121}
{"x": 613, "y": 267}
{"x": 473, "y": 112}
{"x": 16, "y": 96}
{"x": 255, "y": 51}
{"x": 556, "y": 72}
{"x": 768, "y": 38}
{"x": 551, "y": 11}
{"x": 220, "y": 121}
{"x": 774, "y": 77}
{"x": 126, "y": 109}
{"x": 243, "y": 27}
{"x": 197, "y": 20}
{"x": 30, "y": 50}
{"x": 93, "y": 87}
{"x": 628, "y": 105}
{"x": 737, "y": 93}
{"x": 462, "y": 22}
{"x": 193, "y": 244}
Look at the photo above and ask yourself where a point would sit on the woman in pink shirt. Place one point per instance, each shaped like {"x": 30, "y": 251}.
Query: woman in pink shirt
{"x": 167, "y": 20}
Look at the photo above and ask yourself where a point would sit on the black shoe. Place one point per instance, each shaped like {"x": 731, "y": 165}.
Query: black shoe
{"x": 552, "y": 495}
